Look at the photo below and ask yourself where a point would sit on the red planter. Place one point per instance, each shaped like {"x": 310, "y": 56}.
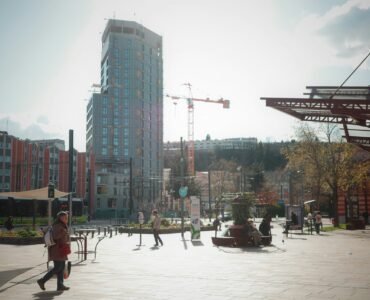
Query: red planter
{"x": 238, "y": 232}
{"x": 356, "y": 224}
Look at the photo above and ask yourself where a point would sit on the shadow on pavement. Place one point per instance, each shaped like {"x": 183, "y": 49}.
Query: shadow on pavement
{"x": 296, "y": 238}
{"x": 238, "y": 250}
{"x": 270, "y": 249}
{"x": 6, "y": 276}
{"x": 138, "y": 247}
{"x": 20, "y": 282}
{"x": 46, "y": 295}
{"x": 185, "y": 244}
{"x": 197, "y": 243}
{"x": 80, "y": 264}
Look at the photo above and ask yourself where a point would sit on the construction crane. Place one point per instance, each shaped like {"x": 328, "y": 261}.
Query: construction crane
{"x": 190, "y": 153}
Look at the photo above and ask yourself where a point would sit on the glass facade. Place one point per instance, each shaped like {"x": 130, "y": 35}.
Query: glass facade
{"x": 125, "y": 120}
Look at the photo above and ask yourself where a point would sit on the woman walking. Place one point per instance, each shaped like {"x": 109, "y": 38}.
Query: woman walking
{"x": 58, "y": 252}
{"x": 156, "y": 227}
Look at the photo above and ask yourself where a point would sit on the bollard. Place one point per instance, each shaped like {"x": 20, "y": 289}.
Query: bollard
{"x": 105, "y": 231}
{"x": 99, "y": 230}
{"x": 111, "y": 231}
{"x": 92, "y": 234}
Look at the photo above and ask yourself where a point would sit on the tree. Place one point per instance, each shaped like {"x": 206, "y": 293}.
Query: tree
{"x": 308, "y": 156}
{"x": 241, "y": 207}
{"x": 223, "y": 178}
{"x": 330, "y": 164}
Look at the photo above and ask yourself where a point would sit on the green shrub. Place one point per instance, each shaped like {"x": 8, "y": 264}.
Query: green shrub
{"x": 165, "y": 223}
{"x": 27, "y": 232}
{"x": 241, "y": 207}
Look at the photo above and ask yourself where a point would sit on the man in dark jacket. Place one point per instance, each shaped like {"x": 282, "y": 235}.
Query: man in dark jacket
{"x": 58, "y": 252}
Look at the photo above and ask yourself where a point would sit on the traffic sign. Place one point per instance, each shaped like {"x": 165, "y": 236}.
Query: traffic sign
{"x": 183, "y": 191}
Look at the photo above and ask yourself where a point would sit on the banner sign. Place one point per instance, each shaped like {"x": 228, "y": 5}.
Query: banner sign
{"x": 195, "y": 218}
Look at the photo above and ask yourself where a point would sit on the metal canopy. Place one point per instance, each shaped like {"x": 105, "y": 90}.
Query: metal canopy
{"x": 348, "y": 106}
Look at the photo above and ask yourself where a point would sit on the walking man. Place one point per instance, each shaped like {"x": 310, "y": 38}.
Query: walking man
{"x": 318, "y": 222}
{"x": 156, "y": 227}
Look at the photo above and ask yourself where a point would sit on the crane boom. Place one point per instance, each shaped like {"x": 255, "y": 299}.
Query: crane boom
{"x": 190, "y": 153}
{"x": 224, "y": 102}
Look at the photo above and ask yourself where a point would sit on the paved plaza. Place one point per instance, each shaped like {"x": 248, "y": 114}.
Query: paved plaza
{"x": 333, "y": 265}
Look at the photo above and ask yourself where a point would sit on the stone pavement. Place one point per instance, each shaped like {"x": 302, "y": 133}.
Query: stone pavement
{"x": 332, "y": 265}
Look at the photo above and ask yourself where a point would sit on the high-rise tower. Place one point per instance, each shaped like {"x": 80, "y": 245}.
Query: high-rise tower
{"x": 125, "y": 122}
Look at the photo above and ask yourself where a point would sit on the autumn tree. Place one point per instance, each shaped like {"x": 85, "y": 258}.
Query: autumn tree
{"x": 327, "y": 162}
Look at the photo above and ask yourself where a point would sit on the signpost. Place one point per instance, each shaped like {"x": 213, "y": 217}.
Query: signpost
{"x": 140, "y": 217}
{"x": 51, "y": 195}
{"x": 183, "y": 191}
{"x": 195, "y": 218}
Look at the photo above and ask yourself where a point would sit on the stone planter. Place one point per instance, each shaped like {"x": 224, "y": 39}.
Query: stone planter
{"x": 238, "y": 232}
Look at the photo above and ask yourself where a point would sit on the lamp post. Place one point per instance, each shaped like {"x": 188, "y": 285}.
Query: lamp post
{"x": 209, "y": 195}
{"x": 51, "y": 195}
{"x": 301, "y": 172}
{"x": 182, "y": 166}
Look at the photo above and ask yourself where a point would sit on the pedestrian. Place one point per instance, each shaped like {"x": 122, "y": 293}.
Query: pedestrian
{"x": 294, "y": 218}
{"x": 58, "y": 252}
{"x": 318, "y": 222}
{"x": 9, "y": 223}
{"x": 216, "y": 224}
{"x": 265, "y": 226}
{"x": 265, "y": 229}
{"x": 252, "y": 232}
{"x": 156, "y": 228}
{"x": 365, "y": 214}
{"x": 309, "y": 221}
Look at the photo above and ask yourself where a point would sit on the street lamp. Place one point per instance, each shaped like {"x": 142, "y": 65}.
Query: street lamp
{"x": 301, "y": 172}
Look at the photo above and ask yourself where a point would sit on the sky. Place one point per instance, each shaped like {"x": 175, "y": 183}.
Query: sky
{"x": 238, "y": 50}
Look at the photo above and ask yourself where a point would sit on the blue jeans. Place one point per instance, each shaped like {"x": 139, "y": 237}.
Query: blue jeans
{"x": 59, "y": 270}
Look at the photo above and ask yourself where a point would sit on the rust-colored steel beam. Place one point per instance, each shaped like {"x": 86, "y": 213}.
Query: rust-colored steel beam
{"x": 326, "y": 104}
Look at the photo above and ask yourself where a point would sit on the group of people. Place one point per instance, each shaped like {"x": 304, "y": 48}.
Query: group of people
{"x": 316, "y": 219}
{"x": 263, "y": 233}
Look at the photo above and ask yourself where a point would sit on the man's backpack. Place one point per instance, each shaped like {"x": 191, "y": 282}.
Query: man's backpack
{"x": 48, "y": 237}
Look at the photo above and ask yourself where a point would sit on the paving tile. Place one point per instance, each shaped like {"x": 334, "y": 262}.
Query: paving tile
{"x": 331, "y": 266}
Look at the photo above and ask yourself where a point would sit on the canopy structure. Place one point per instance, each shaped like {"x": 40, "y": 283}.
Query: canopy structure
{"x": 348, "y": 106}
{"x": 39, "y": 194}
{"x": 309, "y": 201}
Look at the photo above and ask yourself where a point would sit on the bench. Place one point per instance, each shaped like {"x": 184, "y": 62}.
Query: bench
{"x": 266, "y": 240}
{"x": 291, "y": 228}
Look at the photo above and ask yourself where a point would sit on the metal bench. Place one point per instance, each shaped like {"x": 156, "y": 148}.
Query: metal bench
{"x": 292, "y": 228}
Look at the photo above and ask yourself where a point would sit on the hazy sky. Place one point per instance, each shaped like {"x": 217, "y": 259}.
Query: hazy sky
{"x": 238, "y": 50}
